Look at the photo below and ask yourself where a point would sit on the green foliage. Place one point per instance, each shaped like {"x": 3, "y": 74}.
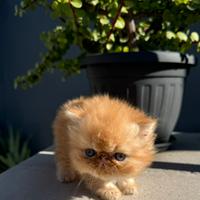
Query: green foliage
{"x": 12, "y": 150}
{"x": 100, "y": 26}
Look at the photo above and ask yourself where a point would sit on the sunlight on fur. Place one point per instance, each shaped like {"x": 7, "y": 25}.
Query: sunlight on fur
{"x": 104, "y": 142}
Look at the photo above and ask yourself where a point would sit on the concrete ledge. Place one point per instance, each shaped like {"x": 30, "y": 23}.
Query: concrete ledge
{"x": 175, "y": 175}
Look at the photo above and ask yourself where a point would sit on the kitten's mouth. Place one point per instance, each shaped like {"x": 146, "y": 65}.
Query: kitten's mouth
{"x": 102, "y": 164}
{"x": 106, "y": 167}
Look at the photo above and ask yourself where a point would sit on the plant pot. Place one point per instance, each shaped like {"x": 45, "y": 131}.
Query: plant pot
{"x": 153, "y": 81}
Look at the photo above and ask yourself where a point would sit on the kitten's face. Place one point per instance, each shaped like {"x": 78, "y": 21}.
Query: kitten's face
{"x": 110, "y": 149}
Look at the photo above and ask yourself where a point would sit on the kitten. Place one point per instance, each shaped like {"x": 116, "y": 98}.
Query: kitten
{"x": 104, "y": 141}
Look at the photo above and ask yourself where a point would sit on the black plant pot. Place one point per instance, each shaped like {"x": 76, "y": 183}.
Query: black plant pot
{"x": 153, "y": 81}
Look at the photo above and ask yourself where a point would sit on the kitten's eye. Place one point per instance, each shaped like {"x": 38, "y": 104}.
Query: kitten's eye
{"x": 90, "y": 152}
{"x": 119, "y": 156}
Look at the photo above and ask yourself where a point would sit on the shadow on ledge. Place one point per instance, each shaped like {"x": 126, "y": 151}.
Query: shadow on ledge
{"x": 176, "y": 166}
{"x": 185, "y": 141}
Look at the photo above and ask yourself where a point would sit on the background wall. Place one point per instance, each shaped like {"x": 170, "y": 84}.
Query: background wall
{"x": 32, "y": 111}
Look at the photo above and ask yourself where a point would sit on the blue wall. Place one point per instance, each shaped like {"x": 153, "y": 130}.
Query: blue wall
{"x": 32, "y": 111}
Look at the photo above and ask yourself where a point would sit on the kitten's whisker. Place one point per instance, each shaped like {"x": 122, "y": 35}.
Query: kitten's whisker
{"x": 78, "y": 185}
{"x": 80, "y": 182}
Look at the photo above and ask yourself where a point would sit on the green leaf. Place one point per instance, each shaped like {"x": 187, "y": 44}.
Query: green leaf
{"x": 126, "y": 49}
{"x": 146, "y": 38}
{"x": 112, "y": 37}
{"x": 95, "y": 35}
{"x": 25, "y": 152}
{"x": 54, "y": 5}
{"x": 62, "y": 1}
{"x": 198, "y": 47}
{"x": 3, "y": 160}
{"x": 11, "y": 160}
{"x": 104, "y": 20}
{"x": 194, "y": 37}
{"x": 123, "y": 40}
{"x": 109, "y": 46}
{"x": 120, "y": 23}
{"x": 14, "y": 149}
{"x": 118, "y": 49}
{"x": 182, "y": 36}
{"x": 170, "y": 35}
{"x": 76, "y": 3}
{"x": 124, "y": 10}
{"x": 178, "y": 2}
{"x": 93, "y": 2}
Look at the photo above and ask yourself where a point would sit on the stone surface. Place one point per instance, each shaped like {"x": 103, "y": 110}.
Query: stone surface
{"x": 175, "y": 175}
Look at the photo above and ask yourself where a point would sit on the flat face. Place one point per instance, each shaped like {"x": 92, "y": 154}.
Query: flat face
{"x": 108, "y": 141}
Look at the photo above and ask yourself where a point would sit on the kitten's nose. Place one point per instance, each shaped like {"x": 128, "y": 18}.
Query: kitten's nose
{"x": 103, "y": 156}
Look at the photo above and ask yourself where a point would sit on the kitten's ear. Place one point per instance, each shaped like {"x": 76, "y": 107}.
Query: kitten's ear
{"x": 73, "y": 111}
{"x": 74, "y": 120}
{"x": 72, "y": 117}
{"x": 134, "y": 128}
{"x": 148, "y": 128}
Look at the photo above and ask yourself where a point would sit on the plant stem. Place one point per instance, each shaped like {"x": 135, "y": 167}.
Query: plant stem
{"x": 115, "y": 19}
{"x": 74, "y": 16}
{"x": 131, "y": 27}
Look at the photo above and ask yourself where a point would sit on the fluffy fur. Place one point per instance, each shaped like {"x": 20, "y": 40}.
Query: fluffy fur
{"x": 107, "y": 125}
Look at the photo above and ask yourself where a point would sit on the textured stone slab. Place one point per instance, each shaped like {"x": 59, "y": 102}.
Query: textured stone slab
{"x": 175, "y": 175}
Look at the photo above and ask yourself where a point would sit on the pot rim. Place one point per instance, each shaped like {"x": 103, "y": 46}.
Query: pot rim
{"x": 142, "y": 57}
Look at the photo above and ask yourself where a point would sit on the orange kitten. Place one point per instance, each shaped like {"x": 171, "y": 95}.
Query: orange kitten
{"x": 104, "y": 141}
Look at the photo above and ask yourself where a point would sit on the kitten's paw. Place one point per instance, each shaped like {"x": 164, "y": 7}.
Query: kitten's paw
{"x": 128, "y": 187}
{"x": 109, "y": 193}
{"x": 66, "y": 176}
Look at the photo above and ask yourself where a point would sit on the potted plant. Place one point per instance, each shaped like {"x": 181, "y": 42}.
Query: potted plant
{"x": 137, "y": 49}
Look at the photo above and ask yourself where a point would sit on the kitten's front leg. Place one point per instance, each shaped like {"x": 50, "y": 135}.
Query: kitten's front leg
{"x": 127, "y": 186}
{"x": 64, "y": 171}
{"x": 66, "y": 174}
{"x": 104, "y": 189}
